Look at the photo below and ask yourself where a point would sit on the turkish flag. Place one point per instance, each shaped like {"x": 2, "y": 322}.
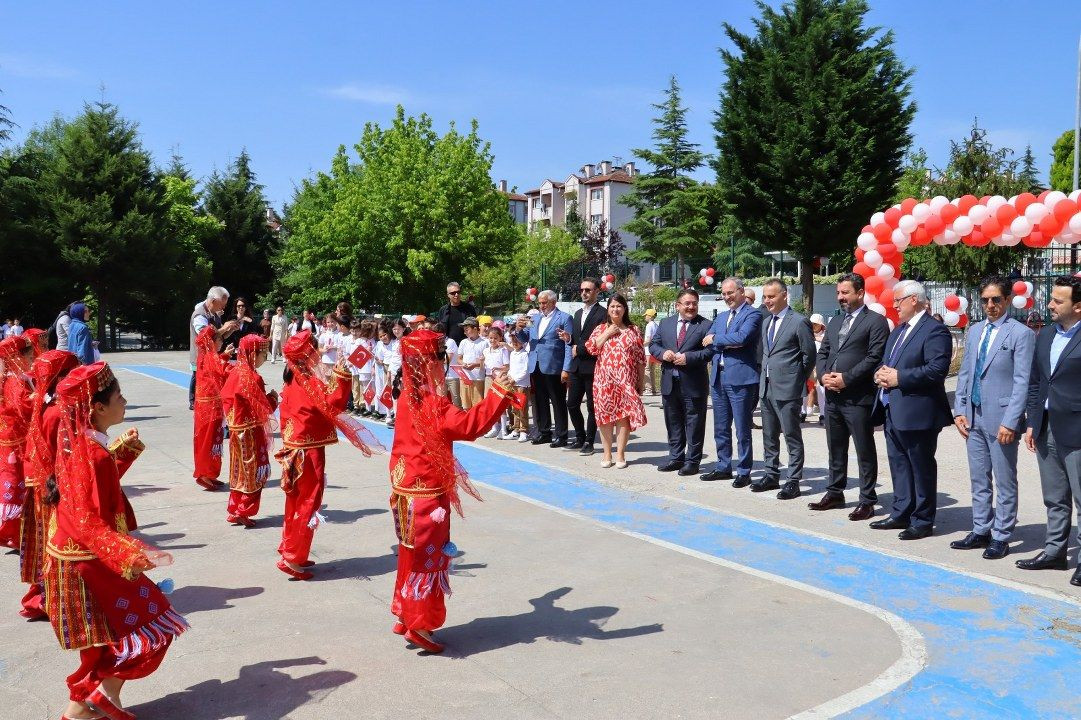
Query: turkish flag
{"x": 369, "y": 394}
{"x": 360, "y": 357}
{"x": 387, "y": 398}
{"x": 518, "y": 400}
{"x": 460, "y": 372}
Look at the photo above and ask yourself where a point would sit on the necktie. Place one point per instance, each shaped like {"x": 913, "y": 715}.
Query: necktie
{"x": 893, "y": 356}
{"x": 682, "y": 333}
{"x": 772, "y": 331}
{"x": 981, "y": 359}
{"x": 731, "y": 317}
{"x": 846, "y": 324}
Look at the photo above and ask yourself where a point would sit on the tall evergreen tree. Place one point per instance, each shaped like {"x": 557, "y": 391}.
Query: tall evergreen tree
{"x": 812, "y": 127}
{"x": 241, "y": 253}
{"x": 5, "y": 124}
{"x": 1029, "y": 177}
{"x": 575, "y": 225}
{"x": 1062, "y": 156}
{"x": 669, "y": 217}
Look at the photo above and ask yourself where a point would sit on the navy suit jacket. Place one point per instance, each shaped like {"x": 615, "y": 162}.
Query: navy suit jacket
{"x": 694, "y": 377}
{"x": 919, "y": 401}
{"x": 738, "y": 345}
{"x": 547, "y": 351}
{"x": 1060, "y": 390}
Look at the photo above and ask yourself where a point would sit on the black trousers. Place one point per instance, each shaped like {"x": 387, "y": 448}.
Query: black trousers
{"x": 915, "y": 474}
{"x": 584, "y": 428}
{"x": 685, "y": 421}
{"x": 845, "y": 422}
{"x": 551, "y": 421}
{"x": 191, "y": 389}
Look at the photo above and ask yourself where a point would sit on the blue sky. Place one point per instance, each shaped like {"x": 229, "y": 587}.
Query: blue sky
{"x": 553, "y": 86}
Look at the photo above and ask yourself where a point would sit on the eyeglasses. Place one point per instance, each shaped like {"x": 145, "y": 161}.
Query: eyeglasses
{"x": 454, "y": 292}
{"x": 997, "y": 300}
{"x": 898, "y": 301}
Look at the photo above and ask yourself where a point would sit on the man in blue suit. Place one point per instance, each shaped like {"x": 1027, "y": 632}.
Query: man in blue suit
{"x": 734, "y": 337}
{"x": 912, "y": 403}
{"x": 989, "y": 412}
{"x": 549, "y": 368}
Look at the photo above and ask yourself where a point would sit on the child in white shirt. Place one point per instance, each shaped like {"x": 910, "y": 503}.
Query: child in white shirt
{"x": 496, "y": 358}
{"x": 518, "y": 370}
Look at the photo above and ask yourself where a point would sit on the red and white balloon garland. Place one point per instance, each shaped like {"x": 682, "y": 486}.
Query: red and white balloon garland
{"x": 531, "y": 294}
{"x": 705, "y": 276}
{"x": 608, "y": 282}
{"x": 1032, "y": 220}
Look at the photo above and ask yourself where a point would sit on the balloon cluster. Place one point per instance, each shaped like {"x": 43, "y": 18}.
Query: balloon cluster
{"x": 531, "y": 294}
{"x": 705, "y": 276}
{"x": 608, "y": 281}
{"x": 1022, "y": 295}
{"x": 956, "y": 314}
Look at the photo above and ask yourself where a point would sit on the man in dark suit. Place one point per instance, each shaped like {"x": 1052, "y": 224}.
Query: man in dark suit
{"x": 586, "y": 319}
{"x": 549, "y": 363}
{"x": 851, "y": 351}
{"x": 788, "y": 356}
{"x": 677, "y": 344}
{"x": 735, "y": 337}
{"x": 1054, "y": 428}
{"x": 912, "y": 403}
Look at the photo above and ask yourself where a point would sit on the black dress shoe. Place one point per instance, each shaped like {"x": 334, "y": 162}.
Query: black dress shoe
{"x": 541, "y": 440}
{"x": 671, "y": 466}
{"x": 765, "y": 485}
{"x": 911, "y": 533}
{"x": 1043, "y": 561}
{"x": 576, "y": 445}
{"x": 789, "y": 491}
{"x": 996, "y": 550}
{"x": 586, "y": 449}
{"x": 741, "y": 481}
{"x": 1076, "y": 579}
{"x": 688, "y": 469}
{"x": 717, "y": 475}
{"x": 561, "y": 442}
{"x": 972, "y": 540}
{"x": 828, "y": 502}
{"x": 888, "y": 524}
{"x": 863, "y": 511}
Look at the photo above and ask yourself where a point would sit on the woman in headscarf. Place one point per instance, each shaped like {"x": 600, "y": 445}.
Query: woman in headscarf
{"x": 16, "y": 354}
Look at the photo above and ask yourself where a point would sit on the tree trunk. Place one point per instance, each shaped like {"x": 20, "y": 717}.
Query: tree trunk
{"x": 679, "y": 264}
{"x": 807, "y": 280}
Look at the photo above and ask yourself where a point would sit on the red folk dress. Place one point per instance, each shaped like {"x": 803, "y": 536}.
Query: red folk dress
{"x": 620, "y": 361}
{"x": 15, "y": 408}
{"x": 249, "y": 441}
{"x": 210, "y": 373}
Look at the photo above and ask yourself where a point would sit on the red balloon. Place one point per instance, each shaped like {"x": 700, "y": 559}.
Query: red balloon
{"x": 949, "y": 213}
{"x": 978, "y": 239}
{"x": 1005, "y": 214}
{"x": 965, "y": 203}
{"x": 1029, "y": 303}
{"x": 892, "y": 314}
{"x": 907, "y": 204}
{"x": 920, "y": 237}
{"x": 1042, "y": 196}
{"x": 1019, "y": 288}
{"x": 859, "y": 254}
{"x": 962, "y": 320}
{"x": 991, "y": 228}
{"x": 862, "y": 268}
{"x": 1023, "y": 201}
{"x": 1036, "y": 239}
{"x": 882, "y": 232}
{"x": 952, "y": 302}
{"x": 885, "y": 298}
{"x": 984, "y": 199}
{"x": 709, "y": 271}
{"x": 888, "y": 251}
{"x": 1064, "y": 210}
{"x": 934, "y": 226}
{"x": 866, "y": 229}
{"x": 898, "y": 261}
{"x": 874, "y": 285}
{"x": 1050, "y": 226}
{"x": 702, "y": 281}
{"x": 893, "y": 215}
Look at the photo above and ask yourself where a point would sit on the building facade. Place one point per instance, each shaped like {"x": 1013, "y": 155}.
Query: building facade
{"x": 517, "y": 204}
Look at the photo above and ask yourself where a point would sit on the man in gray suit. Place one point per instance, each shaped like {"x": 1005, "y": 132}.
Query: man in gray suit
{"x": 1054, "y": 415}
{"x": 788, "y": 356}
{"x": 989, "y": 412}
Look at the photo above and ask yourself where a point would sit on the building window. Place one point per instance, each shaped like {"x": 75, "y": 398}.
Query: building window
{"x": 665, "y": 272}
{"x": 595, "y": 220}
{"x": 597, "y": 194}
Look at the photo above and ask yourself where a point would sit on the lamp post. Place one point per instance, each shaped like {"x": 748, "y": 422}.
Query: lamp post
{"x": 1076, "y": 149}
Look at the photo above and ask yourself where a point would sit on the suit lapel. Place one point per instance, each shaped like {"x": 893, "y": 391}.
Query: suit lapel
{"x": 912, "y": 335}
{"x": 851, "y": 328}
{"x": 1003, "y": 333}
{"x": 1066, "y": 351}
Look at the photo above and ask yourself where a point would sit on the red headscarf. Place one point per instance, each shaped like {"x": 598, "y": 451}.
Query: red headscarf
{"x": 247, "y": 377}
{"x": 39, "y": 340}
{"x": 210, "y": 372}
{"x": 48, "y": 368}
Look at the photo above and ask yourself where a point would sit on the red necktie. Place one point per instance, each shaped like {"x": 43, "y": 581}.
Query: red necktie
{"x": 682, "y": 333}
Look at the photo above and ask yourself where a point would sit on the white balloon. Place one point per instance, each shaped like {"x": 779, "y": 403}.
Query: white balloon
{"x": 951, "y": 318}
{"x": 702, "y": 272}
{"x": 937, "y": 203}
{"x": 1075, "y": 223}
{"x": 877, "y": 307}
{"x": 877, "y": 219}
{"x": 1007, "y": 240}
{"x": 902, "y": 244}
{"x": 866, "y": 241}
{"x": 1068, "y": 238}
{"x": 1036, "y": 212}
{"x": 898, "y": 235}
{"x": 956, "y": 202}
{"x": 940, "y": 239}
{"x": 885, "y": 270}
{"x": 709, "y": 281}
{"x": 890, "y": 324}
{"x": 1075, "y": 196}
{"x": 907, "y": 224}
{"x": 950, "y": 237}
{"x": 964, "y": 304}
{"x": 896, "y": 206}
{"x": 1021, "y": 226}
{"x": 962, "y": 226}
{"x": 978, "y": 213}
{"x": 1019, "y": 301}
{"x": 1054, "y": 198}
{"x": 873, "y": 258}
{"x": 921, "y": 212}
{"x": 1000, "y": 240}
{"x": 1028, "y": 289}
{"x": 1013, "y": 200}
{"x": 995, "y": 202}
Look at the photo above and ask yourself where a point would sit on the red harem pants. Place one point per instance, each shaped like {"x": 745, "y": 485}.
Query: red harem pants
{"x": 302, "y": 503}
{"x": 423, "y": 582}
{"x": 99, "y": 662}
{"x": 209, "y": 436}
{"x": 12, "y": 495}
{"x": 32, "y": 554}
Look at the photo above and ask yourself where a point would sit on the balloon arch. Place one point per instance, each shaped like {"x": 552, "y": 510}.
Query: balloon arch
{"x": 1032, "y": 220}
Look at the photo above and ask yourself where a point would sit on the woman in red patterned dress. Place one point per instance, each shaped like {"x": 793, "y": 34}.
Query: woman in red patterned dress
{"x": 97, "y": 596}
{"x": 211, "y": 370}
{"x": 617, "y": 379}
{"x": 16, "y": 354}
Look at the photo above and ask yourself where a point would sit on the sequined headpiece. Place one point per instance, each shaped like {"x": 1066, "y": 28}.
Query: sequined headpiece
{"x": 84, "y": 382}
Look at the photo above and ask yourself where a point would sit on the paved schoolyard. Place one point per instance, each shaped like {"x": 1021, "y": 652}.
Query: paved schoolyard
{"x": 582, "y": 592}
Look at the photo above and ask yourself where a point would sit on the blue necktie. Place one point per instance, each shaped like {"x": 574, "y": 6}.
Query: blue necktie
{"x": 772, "y": 333}
{"x": 981, "y": 358}
{"x": 893, "y": 357}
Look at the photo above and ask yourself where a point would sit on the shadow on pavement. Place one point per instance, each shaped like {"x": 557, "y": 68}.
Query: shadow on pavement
{"x": 354, "y": 568}
{"x": 545, "y": 621}
{"x": 134, "y": 491}
{"x": 198, "y": 598}
{"x": 259, "y": 692}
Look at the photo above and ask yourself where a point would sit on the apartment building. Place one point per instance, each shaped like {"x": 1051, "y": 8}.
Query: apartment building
{"x": 517, "y": 203}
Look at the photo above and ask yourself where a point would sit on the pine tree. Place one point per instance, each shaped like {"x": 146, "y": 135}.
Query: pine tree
{"x": 812, "y": 127}
{"x": 1029, "y": 177}
{"x": 669, "y": 217}
{"x": 5, "y": 123}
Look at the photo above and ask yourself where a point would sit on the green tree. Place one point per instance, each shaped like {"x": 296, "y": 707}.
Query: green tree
{"x": 389, "y": 231}
{"x": 575, "y": 225}
{"x": 539, "y": 257}
{"x": 242, "y": 251}
{"x": 5, "y": 123}
{"x": 812, "y": 127}
{"x": 1062, "y": 154}
{"x": 1029, "y": 177}
{"x": 670, "y": 216}
{"x": 738, "y": 255}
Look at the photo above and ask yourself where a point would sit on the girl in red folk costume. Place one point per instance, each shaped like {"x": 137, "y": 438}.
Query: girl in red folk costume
{"x": 39, "y": 341}
{"x": 248, "y": 407}
{"x": 425, "y": 479}
{"x": 312, "y": 410}
{"x": 98, "y": 599}
{"x": 48, "y": 369}
{"x": 211, "y": 369}
{"x": 16, "y": 354}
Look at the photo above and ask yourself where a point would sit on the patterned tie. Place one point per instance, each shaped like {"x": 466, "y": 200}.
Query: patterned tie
{"x": 846, "y": 324}
{"x": 731, "y": 317}
{"x": 884, "y": 393}
{"x": 682, "y": 333}
{"x": 981, "y": 359}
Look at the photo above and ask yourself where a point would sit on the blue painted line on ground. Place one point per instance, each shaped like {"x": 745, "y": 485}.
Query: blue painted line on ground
{"x": 993, "y": 651}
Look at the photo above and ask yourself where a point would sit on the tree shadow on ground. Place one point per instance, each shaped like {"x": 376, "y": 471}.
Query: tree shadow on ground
{"x": 260, "y": 691}
{"x": 200, "y": 598}
{"x": 545, "y": 621}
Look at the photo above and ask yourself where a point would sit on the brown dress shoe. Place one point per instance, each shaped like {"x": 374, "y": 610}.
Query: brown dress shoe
{"x": 828, "y": 502}
{"x": 863, "y": 511}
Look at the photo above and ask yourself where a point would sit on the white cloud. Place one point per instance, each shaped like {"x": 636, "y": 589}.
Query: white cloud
{"x": 369, "y": 93}
{"x": 20, "y": 66}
